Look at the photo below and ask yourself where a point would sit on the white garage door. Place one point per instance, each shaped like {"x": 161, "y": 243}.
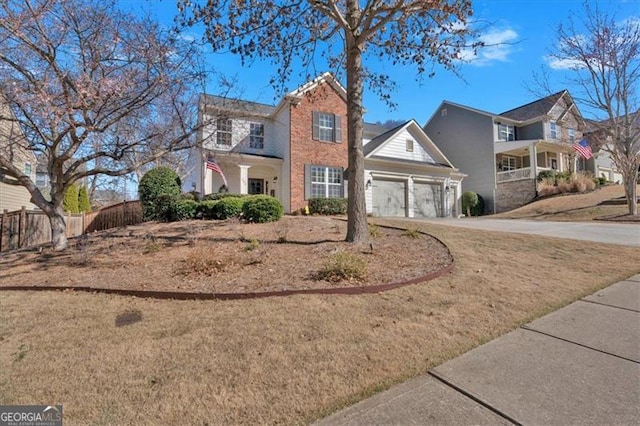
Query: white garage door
{"x": 389, "y": 198}
{"x": 427, "y": 200}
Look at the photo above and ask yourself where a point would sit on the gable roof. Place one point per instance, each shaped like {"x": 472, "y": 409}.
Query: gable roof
{"x": 374, "y": 144}
{"x": 534, "y": 109}
{"x": 237, "y": 105}
{"x": 326, "y": 77}
{"x": 371, "y": 130}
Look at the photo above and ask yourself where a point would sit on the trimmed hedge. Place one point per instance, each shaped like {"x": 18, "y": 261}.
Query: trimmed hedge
{"x": 205, "y": 209}
{"x": 261, "y": 209}
{"x": 221, "y": 195}
{"x": 185, "y": 209}
{"x": 328, "y": 206}
{"x": 227, "y": 207}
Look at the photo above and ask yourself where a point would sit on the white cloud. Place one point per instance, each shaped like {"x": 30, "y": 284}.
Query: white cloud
{"x": 498, "y": 44}
{"x": 563, "y": 64}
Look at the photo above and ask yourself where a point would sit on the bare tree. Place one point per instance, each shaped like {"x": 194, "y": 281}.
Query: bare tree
{"x": 89, "y": 84}
{"x": 604, "y": 57}
{"x": 342, "y": 33}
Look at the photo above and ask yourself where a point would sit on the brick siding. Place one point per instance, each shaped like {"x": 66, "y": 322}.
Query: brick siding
{"x": 305, "y": 150}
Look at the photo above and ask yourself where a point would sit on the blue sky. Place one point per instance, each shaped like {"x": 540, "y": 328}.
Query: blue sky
{"x": 496, "y": 81}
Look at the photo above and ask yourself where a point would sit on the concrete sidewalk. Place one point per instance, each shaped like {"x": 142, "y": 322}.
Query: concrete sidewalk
{"x": 577, "y": 366}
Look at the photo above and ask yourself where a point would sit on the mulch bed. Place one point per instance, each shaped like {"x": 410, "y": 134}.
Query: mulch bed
{"x": 226, "y": 257}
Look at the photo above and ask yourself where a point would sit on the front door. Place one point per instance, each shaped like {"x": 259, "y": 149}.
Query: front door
{"x": 256, "y": 186}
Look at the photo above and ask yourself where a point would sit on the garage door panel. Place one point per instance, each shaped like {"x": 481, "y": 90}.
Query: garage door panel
{"x": 427, "y": 200}
{"x": 389, "y": 198}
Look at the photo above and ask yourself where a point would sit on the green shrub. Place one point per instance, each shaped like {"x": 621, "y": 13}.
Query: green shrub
{"x": 227, "y": 208}
{"x": 600, "y": 181}
{"x": 70, "y": 201}
{"x": 157, "y": 182}
{"x": 472, "y": 203}
{"x": 262, "y": 208}
{"x": 84, "y": 204}
{"x": 185, "y": 209}
{"x": 205, "y": 209}
{"x": 165, "y": 207}
{"x": 546, "y": 174}
{"x": 221, "y": 195}
{"x": 328, "y": 206}
{"x": 343, "y": 266}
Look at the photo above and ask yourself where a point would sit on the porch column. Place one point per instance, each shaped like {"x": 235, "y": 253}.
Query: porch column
{"x": 560, "y": 156}
{"x": 533, "y": 159}
{"x": 244, "y": 179}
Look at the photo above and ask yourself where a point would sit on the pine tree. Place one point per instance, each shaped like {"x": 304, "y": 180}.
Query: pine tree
{"x": 70, "y": 202}
{"x": 84, "y": 204}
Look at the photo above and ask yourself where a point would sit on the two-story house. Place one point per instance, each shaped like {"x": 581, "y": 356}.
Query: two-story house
{"x": 297, "y": 150}
{"x": 502, "y": 154}
{"x": 12, "y": 147}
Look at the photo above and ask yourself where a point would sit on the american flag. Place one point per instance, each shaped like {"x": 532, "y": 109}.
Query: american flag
{"x": 583, "y": 148}
{"x": 213, "y": 166}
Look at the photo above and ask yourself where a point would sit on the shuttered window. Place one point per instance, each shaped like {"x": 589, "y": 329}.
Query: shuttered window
{"x": 326, "y": 127}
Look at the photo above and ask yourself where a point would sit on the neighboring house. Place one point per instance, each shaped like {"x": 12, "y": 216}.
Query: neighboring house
{"x": 297, "y": 150}
{"x": 12, "y": 146}
{"x": 606, "y": 168}
{"x": 502, "y": 154}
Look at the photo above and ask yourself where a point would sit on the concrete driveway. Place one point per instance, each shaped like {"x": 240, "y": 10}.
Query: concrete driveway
{"x": 612, "y": 233}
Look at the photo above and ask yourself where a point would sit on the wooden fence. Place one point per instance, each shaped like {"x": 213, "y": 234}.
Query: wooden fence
{"x": 25, "y": 228}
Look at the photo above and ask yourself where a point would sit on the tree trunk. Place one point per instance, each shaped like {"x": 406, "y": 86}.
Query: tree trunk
{"x": 631, "y": 192}
{"x": 58, "y": 229}
{"x": 357, "y": 229}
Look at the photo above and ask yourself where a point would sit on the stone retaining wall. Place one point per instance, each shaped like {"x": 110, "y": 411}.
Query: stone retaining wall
{"x": 511, "y": 195}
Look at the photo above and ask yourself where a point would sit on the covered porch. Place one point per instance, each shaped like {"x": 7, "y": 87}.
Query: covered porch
{"x": 517, "y": 160}
{"x": 246, "y": 174}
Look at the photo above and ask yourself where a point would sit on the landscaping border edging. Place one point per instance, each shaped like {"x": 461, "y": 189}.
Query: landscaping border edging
{"x": 177, "y": 295}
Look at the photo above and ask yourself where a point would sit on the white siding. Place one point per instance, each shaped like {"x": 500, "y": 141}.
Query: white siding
{"x": 397, "y": 148}
{"x": 282, "y": 134}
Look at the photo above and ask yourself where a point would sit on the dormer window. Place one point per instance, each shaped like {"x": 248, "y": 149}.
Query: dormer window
{"x": 506, "y": 132}
{"x": 553, "y": 130}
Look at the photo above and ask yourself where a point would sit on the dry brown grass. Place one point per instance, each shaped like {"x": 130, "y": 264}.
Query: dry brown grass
{"x": 574, "y": 207}
{"x": 283, "y": 360}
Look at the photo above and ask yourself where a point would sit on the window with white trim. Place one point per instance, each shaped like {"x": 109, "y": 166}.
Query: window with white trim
{"x": 27, "y": 169}
{"x": 506, "y": 132}
{"x": 256, "y": 135}
{"x": 572, "y": 134}
{"x": 324, "y": 182}
{"x": 508, "y": 163}
{"x": 553, "y": 130}
{"x": 325, "y": 126}
{"x": 224, "y": 129}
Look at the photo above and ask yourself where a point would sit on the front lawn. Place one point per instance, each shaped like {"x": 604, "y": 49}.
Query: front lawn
{"x": 284, "y": 359}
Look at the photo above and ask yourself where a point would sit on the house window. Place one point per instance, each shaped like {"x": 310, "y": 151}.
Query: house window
{"x": 27, "y": 169}
{"x": 572, "y": 135}
{"x": 256, "y": 135}
{"x": 323, "y": 182}
{"x": 326, "y": 127}
{"x": 443, "y": 112}
{"x": 508, "y": 163}
{"x": 553, "y": 130}
{"x": 409, "y": 145}
{"x": 41, "y": 180}
{"x": 223, "y": 134}
{"x": 505, "y": 132}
